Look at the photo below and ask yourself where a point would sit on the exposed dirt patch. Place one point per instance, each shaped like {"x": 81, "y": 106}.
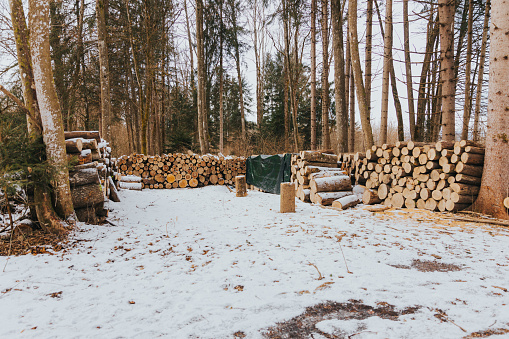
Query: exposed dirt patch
{"x": 303, "y": 325}
{"x": 36, "y": 242}
{"x": 429, "y": 266}
{"x": 487, "y": 333}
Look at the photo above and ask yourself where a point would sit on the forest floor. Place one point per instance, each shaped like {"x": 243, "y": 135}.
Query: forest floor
{"x": 202, "y": 263}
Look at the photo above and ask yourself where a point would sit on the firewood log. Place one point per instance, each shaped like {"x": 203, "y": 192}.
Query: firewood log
{"x": 464, "y": 189}
{"x": 472, "y": 158}
{"x": 84, "y": 177}
{"x": 441, "y": 145}
{"x": 331, "y": 184}
{"x": 506, "y": 202}
{"x": 89, "y": 144}
{"x": 130, "y": 185}
{"x": 73, "y": 146}
{"x": 420, "y": 204}
{"x": 113, "y": 191}
{"x": 462, "y": 199}
{"x": 326, "y": 198}
{"x": 453, "y": 207}
{"x": 474, "y": 171}
{"x": 87, "y": 195}
{"x": 398, "y": 200}
{"x": 346, "y": 202}
{"x": 83, "y": 134}
{"x": 370, "y": 197}
{"x": 316, "y": 156}
{"x": 431, "y": 204}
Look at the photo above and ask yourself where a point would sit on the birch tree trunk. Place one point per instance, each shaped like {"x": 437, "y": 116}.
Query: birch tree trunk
{"x": 51, "y": 117}
{"x": 468, "y": 102}
{"x": 313, "y": 74}
{"x": 480, "y": 76}
{"x": 357, "y": 73}
{"x": 408, "y": 70}
{"x": 104, "y": 69}
{"x": 386, "y": 71}
{"x": 446, "y": 10}
{"x": 325, "y": 75}
{"x": 339, "y": 76}
{"x": 494, "y": 184}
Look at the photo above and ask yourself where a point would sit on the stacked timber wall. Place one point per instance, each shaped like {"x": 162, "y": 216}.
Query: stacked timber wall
{"x": 181, "y": 170}
{"x": 444, "y": 176}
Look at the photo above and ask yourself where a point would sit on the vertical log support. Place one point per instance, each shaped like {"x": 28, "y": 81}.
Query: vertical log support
{"x": 287, "y": 201}
{"x": 240, "y": 186}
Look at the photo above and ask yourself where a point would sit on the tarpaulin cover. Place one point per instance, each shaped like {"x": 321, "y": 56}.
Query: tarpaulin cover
{"x": 267, "y": 172}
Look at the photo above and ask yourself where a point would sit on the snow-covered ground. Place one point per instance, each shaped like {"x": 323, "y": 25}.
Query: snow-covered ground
{"x": 202, "y": 263}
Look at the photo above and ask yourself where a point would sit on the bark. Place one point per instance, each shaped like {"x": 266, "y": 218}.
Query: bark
{"x": 494, "y": 184}
{"x": 51, "y": 118}
{"x": 239, "y": 76}
{"x": 357, "y": 72}
{"x": 408, "y": 70}
{"x": 433, "y": 28}
{"x": 446, "y": 10}
{"x": 221, "y": 83}
{"x": 201, "y": 76}
{"x": 368, "y": 56}
{"x": 104, "y": 68}
{"x": 339, "y": 76}
{"x": 21, "y": 35}
{"x": 386, "y": 71}
{"x": 480, "y": 75}
{"x": 313, "y": 74}
{"x": 468, "y": 102}
{"x": 325, "y": 76}
{"x": 257, "y": 42}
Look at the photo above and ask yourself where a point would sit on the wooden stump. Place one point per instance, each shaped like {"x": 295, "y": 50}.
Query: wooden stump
{"x": 240, "y": 186}
{"x": 287, "y": 197}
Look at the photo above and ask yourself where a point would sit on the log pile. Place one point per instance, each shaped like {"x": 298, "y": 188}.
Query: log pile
{"x": 440, "y": 177}
{"x": 90, "y": 179}
{"x": 319, "y": 179}
{"x": 181, "y": 170}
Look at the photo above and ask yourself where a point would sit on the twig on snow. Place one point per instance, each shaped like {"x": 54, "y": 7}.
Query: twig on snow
{"x": 320, "y": 277}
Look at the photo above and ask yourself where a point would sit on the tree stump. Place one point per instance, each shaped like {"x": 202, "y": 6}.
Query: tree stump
{"x": 287, "y": 197}
{"x": 240, "y": 186}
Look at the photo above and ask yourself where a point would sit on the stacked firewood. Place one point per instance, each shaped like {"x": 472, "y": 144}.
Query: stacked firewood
{"x": 182, "y": 170}
{"x": 444, "y": 176}
{"x": 90, "y": 179}
{"x": 319, "y": 179}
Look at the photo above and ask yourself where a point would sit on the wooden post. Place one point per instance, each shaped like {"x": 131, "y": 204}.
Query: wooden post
{"x": 240, "y": 185}
{"x": 287, "y": 203}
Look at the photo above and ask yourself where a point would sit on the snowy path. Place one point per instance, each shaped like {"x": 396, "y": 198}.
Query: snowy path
{"x": 201, "y": 263}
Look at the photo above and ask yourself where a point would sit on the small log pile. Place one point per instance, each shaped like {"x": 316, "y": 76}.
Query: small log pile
{"x": 440, "y": 177}
{"x": 181, "y": 170}
{"x": 90, "y": 180}
{"x": 319, "y": 179}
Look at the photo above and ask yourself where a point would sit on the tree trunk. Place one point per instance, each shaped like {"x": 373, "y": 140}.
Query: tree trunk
{"x": 313, "y": 74}
{"x": 494, "y": 184}
{"x": 446, "y": 10}
{"x": 325, "y": 76}
{"x": 386, "y": 71}
{"x": 368, "y": 56}
{"x": 201, "y": 76}
{"x": 51, "y": 118}
{"x": 104, "y": 68}
{"x": 221, "y": 83}
{"x": 339, "y": 76}
{"x": 468, "y": 102}
{"x": 480, "y": 75}
{"x": 239, "y": 76}
{"x": 408, "y": 70}
{"x": 357, "y": 72}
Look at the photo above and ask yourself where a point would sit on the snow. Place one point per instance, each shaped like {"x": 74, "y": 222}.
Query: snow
{"x": 85, "y": 152}
{"x": 188, "y": 263}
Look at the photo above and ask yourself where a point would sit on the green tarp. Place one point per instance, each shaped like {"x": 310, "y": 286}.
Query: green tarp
{"x": 267, "y": 172}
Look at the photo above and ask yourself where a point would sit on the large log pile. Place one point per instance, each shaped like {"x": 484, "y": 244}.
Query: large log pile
{"x": 182, "y": 170}
{"x": 440, "y": 177}
{"x": 90, "y": 179}
{"x": 319, "y": 179}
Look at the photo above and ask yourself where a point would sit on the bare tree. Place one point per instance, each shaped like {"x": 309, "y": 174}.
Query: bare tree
{"x": 357, "y": 73}
{"x": 201, "y": 77}
{"x": 408, "y": 69}
{"x": 49, "y": 107}
{"x": 480, "y": 75}
{"x": 494, "y": 185}
{"x": 325, "y": 75}
{"x": 386, "y": 70}
{"x": 104, "y": 68}
{"x": 446, "y": 10}
{"x": 339, "y": 76}
{"x": 313, "y": 74}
